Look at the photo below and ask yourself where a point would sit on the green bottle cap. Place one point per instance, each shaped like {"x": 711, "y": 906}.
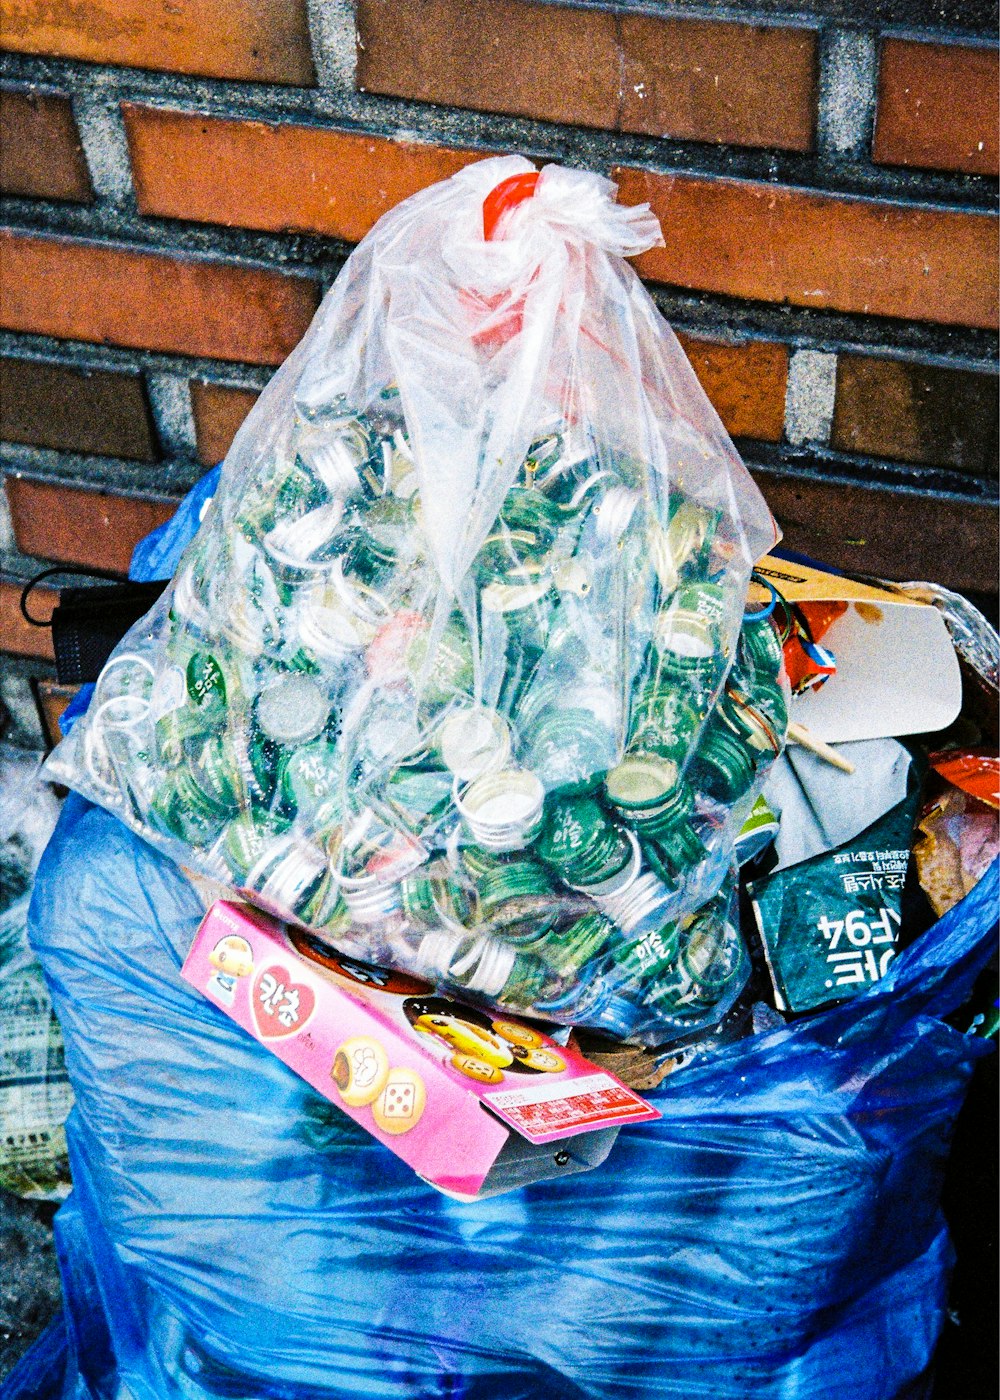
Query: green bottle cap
{"x": 569, "y": 949}
{"x": 445, "y": 673}
{"x": 671, "y": 819}
{"x": 215, "y": 770}
{"x": 293, "y": 710}
{"x": 762, "y": 644}
{"x": 502, "y": 810}
{"x": 713, "y": 955}
{"x": 648, "y": 956}
{"x": 723, "y": 763}
{"x": 687, "y": 642}
{"x": 581, "y": 842}
{"x": 420, "y": 798}
{"x": 310, "y": 782}
{"x": 664, "y": 722}
{"x": 529, "y": 978}
{"x": 570, "y": 748}
{"x": 247, "y": 837}
{"x": 710, "y": 601}
{"x": 758, "y": 714}
{"x": 206, "y": 684}
{"x": 508, "y": 888}
{"x": 173, "y": 730}
{"x": 433, "y": 900}
{"x": 419, "y": 905}
{"x": 640, "y": 784}
{"x": 180, "y": 809}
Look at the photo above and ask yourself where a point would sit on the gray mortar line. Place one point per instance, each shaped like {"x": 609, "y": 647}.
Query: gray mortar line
{"x": 332, "y": 33}
{"x": 102, "y": 135}
{"x": 848, "y": 73}
{"x": 170, "y": 401}
{"x": 809, "y": 397}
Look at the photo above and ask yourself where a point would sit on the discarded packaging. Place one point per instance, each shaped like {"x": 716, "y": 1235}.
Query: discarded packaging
{"x": 474, "y": 1104}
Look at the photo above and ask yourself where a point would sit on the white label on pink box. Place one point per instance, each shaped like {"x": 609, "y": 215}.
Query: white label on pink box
{"x": 415, "y": 1068}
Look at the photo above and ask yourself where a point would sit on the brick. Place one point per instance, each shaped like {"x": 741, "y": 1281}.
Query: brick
{"x": 937, "y": 107}
{"x": 706, "y": 80}
{"x": 687, "y": 79}
{"x": 259, "y": 41}
{"x": 774, "y": 243}
{"x": 916, "y": 413}
{"x": 151, "y": 301}
{"x": 40, "y": 152}
{"x": 51, "y": 699}
{"x": 75, "y": 410}
{"x": 746, "y": 384}
{"x": 544, "y": 61}
{"x": 72, "y": 525}
{"x": 277, "y": 177}
{"x": 18, "y": 637}
{"x": 218, "y": 413}
{"x": 893, "y": 534}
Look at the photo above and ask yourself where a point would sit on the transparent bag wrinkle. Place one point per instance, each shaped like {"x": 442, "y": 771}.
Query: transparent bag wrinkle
{"x": 456, "y": 671}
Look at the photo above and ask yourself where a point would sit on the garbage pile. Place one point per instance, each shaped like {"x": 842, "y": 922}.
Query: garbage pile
{"x": 483, "y": 763}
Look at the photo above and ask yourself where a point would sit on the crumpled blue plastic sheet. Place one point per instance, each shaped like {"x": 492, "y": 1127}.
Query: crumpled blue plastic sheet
{"x": 777, "y": 1235}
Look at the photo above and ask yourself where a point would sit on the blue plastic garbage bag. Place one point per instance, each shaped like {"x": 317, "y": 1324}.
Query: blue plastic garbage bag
{"x": 230, "y": 1233}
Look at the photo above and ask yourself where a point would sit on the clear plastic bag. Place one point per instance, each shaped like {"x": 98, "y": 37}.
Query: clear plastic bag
{"x": 456, "y": 670}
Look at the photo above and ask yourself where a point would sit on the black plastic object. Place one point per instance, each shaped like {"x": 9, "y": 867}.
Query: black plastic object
{"x": 88, "y": 623}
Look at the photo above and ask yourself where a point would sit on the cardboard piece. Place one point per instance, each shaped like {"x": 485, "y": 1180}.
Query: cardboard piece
{"x": 472, "y": 1100}
{"x": 897, "y": 671}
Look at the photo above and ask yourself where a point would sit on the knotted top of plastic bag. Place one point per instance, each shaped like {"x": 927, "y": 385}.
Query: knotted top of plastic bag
{"x": 489, "y": 338}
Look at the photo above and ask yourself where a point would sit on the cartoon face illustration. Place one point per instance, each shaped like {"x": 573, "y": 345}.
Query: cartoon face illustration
{"x": 547, "y": 1061}
{"x": 465, "y": 1038}
{"x": 232, "y": 955}
{"x": 516, "y": 1034}
{"x": 474, "y": 1068}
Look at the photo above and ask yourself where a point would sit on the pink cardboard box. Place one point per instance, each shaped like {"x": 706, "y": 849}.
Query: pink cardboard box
{"x": 471, "y": 1100}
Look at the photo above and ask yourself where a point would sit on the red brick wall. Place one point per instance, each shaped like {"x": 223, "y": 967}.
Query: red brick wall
{"x": 182, "y": 182}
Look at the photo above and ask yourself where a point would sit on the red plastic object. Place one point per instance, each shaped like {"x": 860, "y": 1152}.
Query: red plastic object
{"x": 976, "y": 772}
{"x": 506, "y": 196}
{"x": 801, "y": 663}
